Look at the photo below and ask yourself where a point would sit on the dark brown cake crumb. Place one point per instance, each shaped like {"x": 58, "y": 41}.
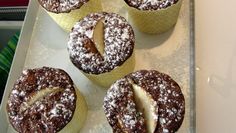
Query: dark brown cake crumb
{"x": 61, "y": 6}
{"x": 49, "y": 113}
{"x": 119, "y": 104}
{"x": 150, "y": 4}
{"x": 118, "y": 41}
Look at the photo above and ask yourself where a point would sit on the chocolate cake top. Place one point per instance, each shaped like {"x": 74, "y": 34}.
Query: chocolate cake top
{"x": 42, "y": 100}
{"x": 118, "y": 41}
{"x": 120, "y": 107}
{"x": 150, "y": 4}
{"x": 61, "y": 6}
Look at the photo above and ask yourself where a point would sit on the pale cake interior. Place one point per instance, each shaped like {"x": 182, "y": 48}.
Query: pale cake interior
{"x": 37, "y": 96}
{"x": 98, "y": 36}
{"x": 146, "y": 105}
{"x": 78, "y": 118}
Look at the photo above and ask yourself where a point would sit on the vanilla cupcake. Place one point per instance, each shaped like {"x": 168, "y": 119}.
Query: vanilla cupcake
{"x": 66, "y": 13}
{"x": 101, "y": 46}
{"x": 45, "y": 100}
{"x": 145, "y": 102}
{"x": 153, "y": 16}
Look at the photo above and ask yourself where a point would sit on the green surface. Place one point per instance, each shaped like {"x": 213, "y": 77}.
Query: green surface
{"x": 6, "y": 57}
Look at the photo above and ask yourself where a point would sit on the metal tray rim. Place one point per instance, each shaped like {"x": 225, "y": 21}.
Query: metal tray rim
{"x": 23, "y": 46}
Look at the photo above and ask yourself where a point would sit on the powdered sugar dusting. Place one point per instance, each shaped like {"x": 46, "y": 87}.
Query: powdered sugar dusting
{"x": 59, "y": 6}
{"x": 49, "y": 112}
{"x": 122, "y": 114}
{"x": 151, "y": 4}
{"x": 118, "y": 40}
{"x": 170, "y": 108}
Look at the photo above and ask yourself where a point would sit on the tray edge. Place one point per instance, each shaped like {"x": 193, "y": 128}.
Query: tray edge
{"x": 19, "y": 59}
{"x": 192, "y": 69}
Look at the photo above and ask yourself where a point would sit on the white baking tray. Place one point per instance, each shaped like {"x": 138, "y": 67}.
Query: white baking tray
{"x": 43, "y": 43}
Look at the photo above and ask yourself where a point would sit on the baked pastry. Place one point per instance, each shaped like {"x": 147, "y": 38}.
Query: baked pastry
{"x": 45, "y": 100}
{"x": 66, "y": 13}
{"x": 145, "y": 102}
{"x": 153, "y": 16}
{"x": 101, "y": 46}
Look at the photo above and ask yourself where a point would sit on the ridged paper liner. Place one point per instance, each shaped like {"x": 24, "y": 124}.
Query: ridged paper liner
{"x": 106, "y": 79}
{"x": 78, "y": 119}
{"x": 79, "y": 116}
{"x": 67, "y": 20}
{"x": 154, "y": 22}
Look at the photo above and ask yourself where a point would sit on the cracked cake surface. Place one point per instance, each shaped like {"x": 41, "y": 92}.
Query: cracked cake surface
{"x": 151, "y": 4}
{"x": 121, "y": 110}
{"x": 61, "y": 6}
{"x": 118, "y": 43}
{"x": 42, "y": 100}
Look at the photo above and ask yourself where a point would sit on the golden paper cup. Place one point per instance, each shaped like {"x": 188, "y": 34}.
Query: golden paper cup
{"x": 79, "y": 116}
{"x": 67, "y": 20}
{"x": 103, "y": 50}
{"x": 154, "y": 22}
{"x": 106, "y": 79}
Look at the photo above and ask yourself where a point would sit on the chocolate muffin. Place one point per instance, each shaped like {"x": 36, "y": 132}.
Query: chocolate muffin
{"x": 45, "y": 100}
{"x": 101, "y": 46}
{"x": 151, "y": 4}
{"x": 153, "y": 16}
{"x": 145, "y": 102}
{"x": 66, "y": 13}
